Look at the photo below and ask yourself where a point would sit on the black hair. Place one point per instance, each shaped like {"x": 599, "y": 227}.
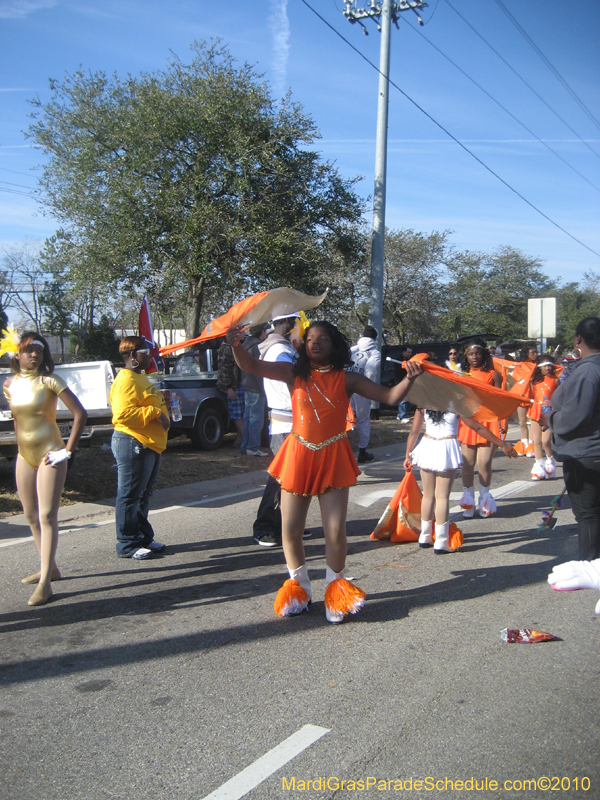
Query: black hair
{"x": 488, "y": 364}
{"x": 525, "y": 350}
{"x": 370, "y": 332}
{"x": 434, "y": 416}
{"x": 340, "y": 356}
{"x": 589, "y": 330}
{"x": 536, "y": 376}
{"x": 47, "y": 365}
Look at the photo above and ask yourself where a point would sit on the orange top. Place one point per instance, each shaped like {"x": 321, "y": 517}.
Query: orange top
{"x": 541, "y": 395}
{"x": 316, "y": 455}
{"x": 467, "y": 435}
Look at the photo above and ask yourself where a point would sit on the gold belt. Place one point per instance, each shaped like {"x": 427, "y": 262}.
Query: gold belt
{"x": 438, "y": 438}
{"x": 321, "y": 445}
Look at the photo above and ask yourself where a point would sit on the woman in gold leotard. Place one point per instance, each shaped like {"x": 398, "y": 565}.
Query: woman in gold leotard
{"x": 41, "y": 465}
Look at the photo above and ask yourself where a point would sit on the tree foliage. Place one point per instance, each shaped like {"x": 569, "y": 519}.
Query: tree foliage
{"x": 191, "y": 175}
{"x": 489, "y": 292}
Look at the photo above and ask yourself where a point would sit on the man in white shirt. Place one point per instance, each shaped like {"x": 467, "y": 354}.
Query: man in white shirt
{"x": 366, "y": 359}
{"x": 275, "y": 348}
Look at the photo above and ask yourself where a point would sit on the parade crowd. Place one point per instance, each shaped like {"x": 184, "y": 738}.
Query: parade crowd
{"x": 316, "y": 387}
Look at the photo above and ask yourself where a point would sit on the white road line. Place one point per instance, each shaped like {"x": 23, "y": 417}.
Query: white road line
{"x": 204, "y": 501}
{"x": 266, "y": 765}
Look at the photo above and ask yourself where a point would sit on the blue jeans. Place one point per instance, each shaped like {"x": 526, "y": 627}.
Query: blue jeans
{"x": 403, "y": 408}
{"x": 254, "y": 420}
{"x": 268, "y": 516}
{"x": 137, "y": 473}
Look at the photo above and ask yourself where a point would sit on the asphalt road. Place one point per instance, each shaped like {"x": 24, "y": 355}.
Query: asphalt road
{"x": 170, "y": 677}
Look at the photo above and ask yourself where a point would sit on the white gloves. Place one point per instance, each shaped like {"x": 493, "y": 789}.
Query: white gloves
{"x": 56, "y": 456}
{"x": 574, "y": 575}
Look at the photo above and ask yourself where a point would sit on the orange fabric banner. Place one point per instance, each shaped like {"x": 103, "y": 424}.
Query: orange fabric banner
{"x": 254, "y": 310}
{"x": 401, "y": 520}
{"x": 440, "y": 389}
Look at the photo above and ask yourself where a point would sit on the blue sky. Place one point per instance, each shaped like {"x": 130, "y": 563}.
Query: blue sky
{"x": 433, "y": 184}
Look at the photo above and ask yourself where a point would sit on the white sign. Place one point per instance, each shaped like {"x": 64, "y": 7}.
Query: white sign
{"x": 541, "y": 318}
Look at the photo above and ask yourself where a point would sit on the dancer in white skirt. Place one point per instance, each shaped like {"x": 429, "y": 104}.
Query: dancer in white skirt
{"x": 438, "y": 456}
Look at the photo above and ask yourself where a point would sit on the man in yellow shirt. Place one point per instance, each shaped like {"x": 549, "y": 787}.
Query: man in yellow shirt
{"x": 141, "y": 422}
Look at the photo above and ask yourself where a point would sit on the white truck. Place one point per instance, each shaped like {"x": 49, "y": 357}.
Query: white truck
{"x": 205, "y": 416}
{"x": 90, "y": 381}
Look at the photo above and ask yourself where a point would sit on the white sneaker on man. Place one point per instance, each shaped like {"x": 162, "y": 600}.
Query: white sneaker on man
{"x": 258, "y": 453}
{"x": 141, "y": 553}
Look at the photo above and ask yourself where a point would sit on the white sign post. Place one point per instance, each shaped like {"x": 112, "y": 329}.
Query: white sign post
{"x": 541, "y": 319}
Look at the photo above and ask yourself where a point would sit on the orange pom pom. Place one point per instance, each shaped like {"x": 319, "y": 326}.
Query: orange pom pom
{"x": 455, "y": 536}
{"x": 291, "y": 599}
{"x": 343, "y": 597}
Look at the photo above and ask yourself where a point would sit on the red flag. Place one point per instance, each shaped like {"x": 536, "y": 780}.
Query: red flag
{"x": 254, "y": 310}
{"x": 146, "y": 331}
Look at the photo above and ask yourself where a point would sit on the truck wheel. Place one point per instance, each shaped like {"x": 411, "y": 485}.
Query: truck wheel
{"x": 208, "y": 430}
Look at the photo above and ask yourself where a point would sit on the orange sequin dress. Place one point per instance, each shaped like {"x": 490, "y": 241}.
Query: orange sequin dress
{"x": 316, "y": 456}
{"x": 541, "y": 396}
{"x": 467, "y": 435}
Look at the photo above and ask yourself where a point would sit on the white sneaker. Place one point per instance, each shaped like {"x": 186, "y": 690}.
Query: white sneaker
{"x": 550, "y": 467}
{"x": 141, "y": 553}
{"x": 538, "y": 471}
{"x": 467, "y": 503}
{"x": 257, "y": 453}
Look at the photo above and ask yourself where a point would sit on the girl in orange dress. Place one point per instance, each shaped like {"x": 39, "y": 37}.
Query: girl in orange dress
{"x": 543, "y": 383}
{"x": 316, "y": 458}
{"x": 522, "y": 374}
{"x": 477, "y": 363}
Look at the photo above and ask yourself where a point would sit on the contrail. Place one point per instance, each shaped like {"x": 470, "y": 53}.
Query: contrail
{"x": 279, "y": 25}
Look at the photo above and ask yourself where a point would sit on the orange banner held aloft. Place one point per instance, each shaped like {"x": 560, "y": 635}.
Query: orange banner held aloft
{"x": 441, "y": 389}
{"x": 255, "y": 310}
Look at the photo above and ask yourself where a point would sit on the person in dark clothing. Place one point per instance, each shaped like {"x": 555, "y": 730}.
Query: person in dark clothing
{"x": 575, "y": 426}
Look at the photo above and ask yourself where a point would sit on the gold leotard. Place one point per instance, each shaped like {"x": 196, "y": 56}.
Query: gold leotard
{"x": 32, "y": 399}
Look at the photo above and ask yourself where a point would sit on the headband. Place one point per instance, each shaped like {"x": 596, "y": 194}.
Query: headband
{"x": 547, "y": 364}
{"x": 35, "y": 341}
{"x": 471, "y": 346}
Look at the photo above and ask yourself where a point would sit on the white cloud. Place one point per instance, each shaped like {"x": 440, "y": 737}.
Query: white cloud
{"x": 279, "y": 25}
{"x": 17, "y": 9}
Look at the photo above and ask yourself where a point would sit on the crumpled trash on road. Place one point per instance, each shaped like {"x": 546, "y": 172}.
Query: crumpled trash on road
{"x": 525, "y": 636}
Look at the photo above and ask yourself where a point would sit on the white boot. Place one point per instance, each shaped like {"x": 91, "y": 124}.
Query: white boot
{"x": 426, "y": 538}
{"x": 341, "y": 596}
{"x": 487, "y": 504}
{"x": 442, "y": 540}
{"x": 550, "y": 467}
{"x": 467, "y": 502}
{"x": 538, "y": 471}
{"x": 301, "y": 575}
{"x": 295, "y": 595}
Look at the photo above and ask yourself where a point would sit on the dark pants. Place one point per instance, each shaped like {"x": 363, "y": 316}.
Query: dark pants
{"x": 268, "y": 517}
{"x": 137, "y": 471}
{"x": 582, "y": 479}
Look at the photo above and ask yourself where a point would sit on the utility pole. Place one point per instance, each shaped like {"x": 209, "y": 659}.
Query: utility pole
{"x": 383, "y": 12}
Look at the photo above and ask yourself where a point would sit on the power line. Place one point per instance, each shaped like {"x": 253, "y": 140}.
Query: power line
{"x": 447, "y": 132}
{"x": 16, "y": 191}
{"x": 498, "y": 103}
{"x": 564, "y": 121}
{"x": 26, "y": 174}
{"x": 20, "y": 185}
{"x": 548, "y": 63}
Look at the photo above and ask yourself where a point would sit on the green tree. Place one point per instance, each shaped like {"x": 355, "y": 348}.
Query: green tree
{"x": 191, "y": 174}
{"x": 574, "y": 302}
{"x": 57, "y": 314}
{"x": 100, "y": 343}
{"x": 490, "y": 292}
